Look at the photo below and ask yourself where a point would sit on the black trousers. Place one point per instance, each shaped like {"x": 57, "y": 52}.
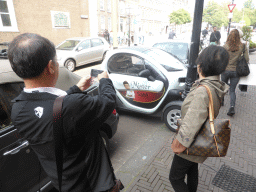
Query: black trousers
{"x": 180, "y": 168}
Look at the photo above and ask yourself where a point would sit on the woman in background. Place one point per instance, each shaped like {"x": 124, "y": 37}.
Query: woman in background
{"x": 235, "y": 47}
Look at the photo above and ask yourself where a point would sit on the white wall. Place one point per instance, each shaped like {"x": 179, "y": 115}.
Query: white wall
{"x": 93, "y": 18}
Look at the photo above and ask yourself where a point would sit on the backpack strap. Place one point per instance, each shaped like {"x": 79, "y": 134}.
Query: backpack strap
{"x": 58, "y": 136}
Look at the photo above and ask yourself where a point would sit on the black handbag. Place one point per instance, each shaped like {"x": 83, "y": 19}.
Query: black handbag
{"x": 58, "y": 142}
{"x": 242, "y": 67}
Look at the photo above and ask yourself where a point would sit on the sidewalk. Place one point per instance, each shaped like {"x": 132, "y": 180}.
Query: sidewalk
{"x": 240, "y": 159}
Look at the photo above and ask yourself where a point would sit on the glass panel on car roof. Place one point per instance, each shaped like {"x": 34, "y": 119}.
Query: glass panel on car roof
{"x": 165, "y": 59}
{"x": 178, "y": 49}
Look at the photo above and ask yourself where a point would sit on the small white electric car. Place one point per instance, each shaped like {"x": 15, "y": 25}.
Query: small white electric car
{"x": 147, "y": 80}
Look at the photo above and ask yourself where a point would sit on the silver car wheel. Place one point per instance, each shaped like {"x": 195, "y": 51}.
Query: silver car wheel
{"x": 171, "y": 117}
{"x": 70, "y": 65}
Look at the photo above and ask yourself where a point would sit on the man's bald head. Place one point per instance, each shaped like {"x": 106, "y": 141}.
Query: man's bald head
{"x": 29, "y": 54}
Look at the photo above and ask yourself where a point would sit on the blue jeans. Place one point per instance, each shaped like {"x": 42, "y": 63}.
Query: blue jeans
{"x": 234, "y": 79}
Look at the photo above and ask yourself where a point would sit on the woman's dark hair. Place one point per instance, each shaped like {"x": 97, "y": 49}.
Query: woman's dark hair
{"x": 233, "y": 40}
{"x": 29, "y": 54}
{"x": 213, "y": 60}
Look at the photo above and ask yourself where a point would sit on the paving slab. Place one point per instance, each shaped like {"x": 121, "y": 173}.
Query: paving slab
{"x": 153, "y": 175}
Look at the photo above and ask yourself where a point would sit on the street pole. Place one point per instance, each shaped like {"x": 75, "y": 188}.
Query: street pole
{"x": 230, "y": 21}
{"x": 194, "y": 47}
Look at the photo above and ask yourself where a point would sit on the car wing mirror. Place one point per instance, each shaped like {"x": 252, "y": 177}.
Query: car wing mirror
{"x": 79, "y": 48}
{"x": 144, "y": 73}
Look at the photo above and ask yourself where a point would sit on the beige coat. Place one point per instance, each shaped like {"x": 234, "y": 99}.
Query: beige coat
{"x": 234, "y": 56}
{"x": 194, "y": 111}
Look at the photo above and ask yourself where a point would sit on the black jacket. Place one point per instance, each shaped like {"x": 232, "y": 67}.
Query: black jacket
{"x": 215, "y": 36}
{"x": 85, "y": 166}
{"x": 204, "y": 32}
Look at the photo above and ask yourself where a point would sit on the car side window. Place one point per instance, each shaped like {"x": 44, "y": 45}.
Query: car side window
{"x": 126, "y": 64}
{"x": 85, "y": 45}
{"x": 97, "y": 42}
{"x": 7, "y": 93}
{"x": 118, "y": 63}
{"x": 135, "y": 66}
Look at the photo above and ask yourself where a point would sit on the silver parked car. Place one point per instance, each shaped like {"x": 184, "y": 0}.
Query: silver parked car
{"x": 77, "y": 51}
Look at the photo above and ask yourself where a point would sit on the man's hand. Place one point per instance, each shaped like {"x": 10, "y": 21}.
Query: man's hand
{"x": 84, "y": 83}
{"x": 177, "y": 148}
{"x": 103, "y": 75}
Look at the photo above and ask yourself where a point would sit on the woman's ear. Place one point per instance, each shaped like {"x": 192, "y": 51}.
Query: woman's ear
{"x": 199, "y": 69}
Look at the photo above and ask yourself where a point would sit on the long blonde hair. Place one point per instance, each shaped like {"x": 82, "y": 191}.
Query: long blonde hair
{"x": 233, "y": 40}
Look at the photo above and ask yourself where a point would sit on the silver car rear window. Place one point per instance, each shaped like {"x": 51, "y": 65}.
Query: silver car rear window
{"x": 68, "y": 45}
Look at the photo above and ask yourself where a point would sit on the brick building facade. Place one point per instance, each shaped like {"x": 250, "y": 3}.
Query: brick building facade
{"x": 56, "y": 20}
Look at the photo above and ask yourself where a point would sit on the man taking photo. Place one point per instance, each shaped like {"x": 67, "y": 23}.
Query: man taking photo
{"x": 85, "y": 161}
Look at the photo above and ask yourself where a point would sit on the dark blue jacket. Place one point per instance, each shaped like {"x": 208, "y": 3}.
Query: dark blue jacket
{"x": 86, "y": 166}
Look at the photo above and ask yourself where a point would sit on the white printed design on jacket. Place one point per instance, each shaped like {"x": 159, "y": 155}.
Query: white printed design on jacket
{"x": 39, "y": 111}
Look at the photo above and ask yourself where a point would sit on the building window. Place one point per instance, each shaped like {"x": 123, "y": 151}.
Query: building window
{"x": 101, "y": 4}
{"x": 60, "y": 19}
{"x": 121, "y": 25}
{"x": 109, "y": 24}
{"x": 102, "y": 23}
{"x": 109, "y": 5}
{"x": 7, "y": 16}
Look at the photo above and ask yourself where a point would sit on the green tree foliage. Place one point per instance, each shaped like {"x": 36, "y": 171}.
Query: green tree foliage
{"x": 215, "y": 14}
{"x": 247, "y": 33}
{"x": 253, "y": 18}
{"x": 247, "y": 20}
{"x": 248, "y": 4}
{"x": 249, "y": 13}
{"x": 180, "y": 16}
{"x": 237, "y": 16}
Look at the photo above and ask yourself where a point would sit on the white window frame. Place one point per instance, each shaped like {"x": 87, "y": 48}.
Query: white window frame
{"x": 102, "y": 22}
{"x": 102, "y": 2}
{"x": 109, "y": 6}
{"x": 14, "y": 26}
{"x": 54, "y": 25}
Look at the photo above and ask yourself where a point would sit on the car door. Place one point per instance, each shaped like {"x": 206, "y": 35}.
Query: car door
{"x": 97, "y": 48}
{"x": 19, "y": 166}
{"x": 132, "y": 89}
{"x": 84, "y": 53}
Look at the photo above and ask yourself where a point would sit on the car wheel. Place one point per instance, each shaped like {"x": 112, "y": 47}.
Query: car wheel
{"x": 105, "y": 139}
{"x": 171, "y": 115}
{"x": 70, "y": 64}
